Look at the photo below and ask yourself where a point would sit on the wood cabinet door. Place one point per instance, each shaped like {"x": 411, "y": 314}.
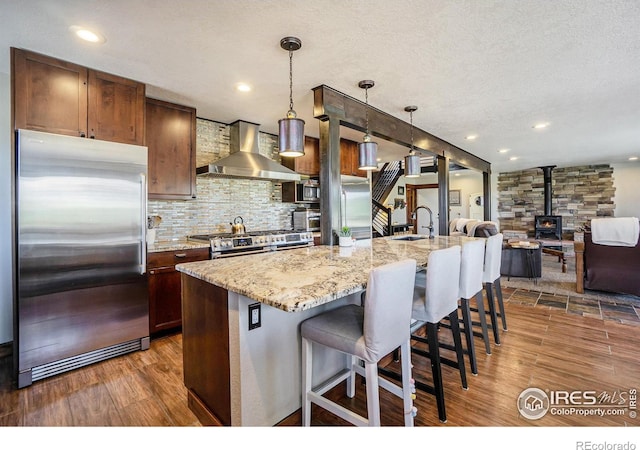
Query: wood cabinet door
{"x": 164, "y": 285}
{"x": 171, "y": 139}
{"x": 346, "y": 157}
{"x": 165, "y": 306}
{"x": 115, "y": 108}
{"x": 356, "y": 163}
{"x": 49, "y": 95}
{"x": 309, "y": 164}
{"x": 349, "y": 159}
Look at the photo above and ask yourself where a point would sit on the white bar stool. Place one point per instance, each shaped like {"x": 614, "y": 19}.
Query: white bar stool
{"x": 366, "y": 333}
{"x": 491, "y": 280}
{"x": 471, "y": 270}
{"x": 436, "y": 300}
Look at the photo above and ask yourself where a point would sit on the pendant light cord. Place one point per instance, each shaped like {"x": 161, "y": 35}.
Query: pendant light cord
{"x": 366, "y": 111}
{"x": 290, "y": 80}
{"x": 411, "y": 116}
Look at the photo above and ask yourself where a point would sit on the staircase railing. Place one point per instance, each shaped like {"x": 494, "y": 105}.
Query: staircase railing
{"x": 384, "y": 180}
{"x": 381, "y": 219}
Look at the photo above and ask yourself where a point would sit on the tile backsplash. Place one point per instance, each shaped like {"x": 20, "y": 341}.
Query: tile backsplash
{"x": 219, "y": 200}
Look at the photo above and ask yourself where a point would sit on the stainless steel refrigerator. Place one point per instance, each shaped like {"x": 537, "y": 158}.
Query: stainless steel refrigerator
{"x": 355, "y": 206}
{"x": 80, "y": 222}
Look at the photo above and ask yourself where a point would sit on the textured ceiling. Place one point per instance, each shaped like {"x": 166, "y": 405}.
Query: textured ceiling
{"x": 491, "y": 68}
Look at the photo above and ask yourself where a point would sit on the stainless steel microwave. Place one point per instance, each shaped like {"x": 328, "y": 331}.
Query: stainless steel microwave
{"x": 301, "y": 191}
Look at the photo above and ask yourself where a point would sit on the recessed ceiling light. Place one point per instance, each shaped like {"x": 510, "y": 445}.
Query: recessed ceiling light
{"x": 471, "y": 137}
{"x": 540, "y": 125}
{"x": 633, "y": 158}
{"x": 503, "y": 150}
{"x": 378, "y": 159}
{"x": 243, "y": 87}
{"x": 513, "y": 158}
{"x": 88, "y": 35}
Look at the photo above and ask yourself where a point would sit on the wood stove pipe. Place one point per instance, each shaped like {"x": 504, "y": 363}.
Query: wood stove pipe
{"x": 546, "y": 170}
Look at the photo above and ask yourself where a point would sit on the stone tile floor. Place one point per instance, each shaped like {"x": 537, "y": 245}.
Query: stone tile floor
{"x": 557, "y": 290}
{"x": 608, "y": 309}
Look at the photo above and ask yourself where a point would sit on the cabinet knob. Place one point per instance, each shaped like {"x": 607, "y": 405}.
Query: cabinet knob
{"x": 82, "y": 134}
{"x": 152, "y": 272}
{"x": 180, "y": 255}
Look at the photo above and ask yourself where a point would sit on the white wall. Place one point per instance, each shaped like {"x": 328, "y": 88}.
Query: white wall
{"x": 6, "y": 264}
{"x": 626, "y": 180}
{"x": 468, "y": 182}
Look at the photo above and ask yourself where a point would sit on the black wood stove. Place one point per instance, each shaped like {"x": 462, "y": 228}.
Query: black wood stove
{"x": 548, "y": 225}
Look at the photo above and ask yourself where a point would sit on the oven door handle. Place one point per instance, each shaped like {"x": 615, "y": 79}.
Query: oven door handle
{"x": 215, "y": 255}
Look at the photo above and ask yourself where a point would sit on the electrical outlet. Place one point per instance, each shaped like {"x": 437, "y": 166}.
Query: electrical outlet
{"x": 255, "y": 316}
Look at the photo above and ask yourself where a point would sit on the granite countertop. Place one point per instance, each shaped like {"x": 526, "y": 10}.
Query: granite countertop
{"x": 299, "y": 279}
{"x": 180, "y": 244}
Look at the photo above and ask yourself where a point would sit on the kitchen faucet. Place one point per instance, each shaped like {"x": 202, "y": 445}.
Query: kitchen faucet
{"x": 430, "y": 227}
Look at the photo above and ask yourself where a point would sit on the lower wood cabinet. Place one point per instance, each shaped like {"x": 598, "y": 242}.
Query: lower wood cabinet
{"x": 165, "y": 301}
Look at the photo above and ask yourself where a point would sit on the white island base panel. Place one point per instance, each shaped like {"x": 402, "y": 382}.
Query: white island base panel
{"x": 265, "y": 363}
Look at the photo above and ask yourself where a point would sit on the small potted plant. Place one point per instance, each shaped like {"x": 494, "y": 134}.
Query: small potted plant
{"x": 344, "y": 238}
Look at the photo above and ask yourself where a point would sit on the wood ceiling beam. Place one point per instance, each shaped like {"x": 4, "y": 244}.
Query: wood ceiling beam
{"x": 352, "y": 114}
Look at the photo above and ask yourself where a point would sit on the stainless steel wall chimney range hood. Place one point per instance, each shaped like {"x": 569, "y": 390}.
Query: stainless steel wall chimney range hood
{"x": 245, "y": 161}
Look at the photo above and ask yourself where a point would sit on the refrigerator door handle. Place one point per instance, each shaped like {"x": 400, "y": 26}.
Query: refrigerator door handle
{"x": 143, "y": 223}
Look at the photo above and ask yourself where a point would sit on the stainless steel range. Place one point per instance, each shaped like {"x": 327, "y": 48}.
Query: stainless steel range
{"x": 229, "y": 244}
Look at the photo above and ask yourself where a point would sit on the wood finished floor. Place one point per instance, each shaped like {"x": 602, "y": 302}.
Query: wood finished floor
{"x": 548, "y": 346}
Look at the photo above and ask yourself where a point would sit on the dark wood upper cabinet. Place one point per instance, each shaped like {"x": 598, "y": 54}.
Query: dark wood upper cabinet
{"x": 48, "y": 94}
{"x": 349, "y": 159}
{"x": 171, "y": 139}
{"x": 116, "y": 108}
{"x": 60, "y": 97}
{"x": 309, "y": 164}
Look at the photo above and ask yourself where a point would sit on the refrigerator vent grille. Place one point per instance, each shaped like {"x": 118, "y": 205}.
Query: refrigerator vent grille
{"x": 75, "y": 362}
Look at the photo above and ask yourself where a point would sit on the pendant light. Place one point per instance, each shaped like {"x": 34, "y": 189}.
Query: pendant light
{"x": 367, "y": 149}
{"x": 291, "y": 129}
{"x": 412, "y": 160}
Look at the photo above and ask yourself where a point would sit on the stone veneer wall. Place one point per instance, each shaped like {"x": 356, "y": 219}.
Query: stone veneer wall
{"x": 219, "y": 200}
{"x": 578, "y": 194}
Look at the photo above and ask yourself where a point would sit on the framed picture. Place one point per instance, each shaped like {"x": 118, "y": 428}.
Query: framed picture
{"x": 400, "y": 190}
{"x": 454, "y": 197}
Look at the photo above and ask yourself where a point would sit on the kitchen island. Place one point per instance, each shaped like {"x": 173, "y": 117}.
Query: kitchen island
{"x": 240, "y": 374}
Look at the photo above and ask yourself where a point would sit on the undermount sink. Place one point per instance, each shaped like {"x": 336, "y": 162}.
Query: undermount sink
{"x": 409, "y": 238}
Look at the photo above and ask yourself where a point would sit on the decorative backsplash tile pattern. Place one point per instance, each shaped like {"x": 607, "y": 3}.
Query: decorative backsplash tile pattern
{"x": 219, "y": 200}
{"x": 579, "y": 194}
